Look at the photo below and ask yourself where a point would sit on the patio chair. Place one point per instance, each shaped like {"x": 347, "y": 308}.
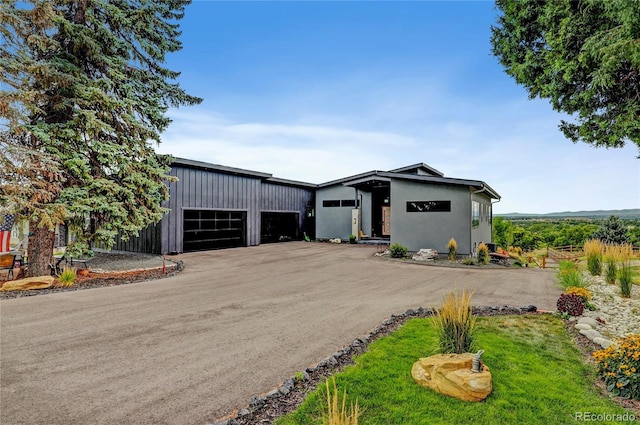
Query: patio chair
{"x": 7, "y": 262}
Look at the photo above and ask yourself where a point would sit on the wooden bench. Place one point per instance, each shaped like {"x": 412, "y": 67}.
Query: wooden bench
{"x": 7, "y": 262}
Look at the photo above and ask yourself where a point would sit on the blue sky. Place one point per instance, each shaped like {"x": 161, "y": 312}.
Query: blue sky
{"x": 315, "y": 91}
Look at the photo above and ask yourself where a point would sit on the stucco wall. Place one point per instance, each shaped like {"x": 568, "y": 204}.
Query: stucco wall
{"x": 417, "y": 230}
{"x": 482, "y": 233}
{"x": 333, "y": 222}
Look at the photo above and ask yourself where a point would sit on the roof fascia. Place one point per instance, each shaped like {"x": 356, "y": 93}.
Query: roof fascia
{"x": 422, "y": 165}
{"x": 189, "y": 163}
{"x": 445, "y": 180}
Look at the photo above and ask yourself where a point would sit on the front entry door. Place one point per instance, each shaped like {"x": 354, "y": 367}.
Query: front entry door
{"x": 386, "y": 221}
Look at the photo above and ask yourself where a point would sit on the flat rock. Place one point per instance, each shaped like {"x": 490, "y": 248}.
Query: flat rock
{"x": 583, "y": 326}
{"x": 450, "y": 374}
{"x": 38, "y": 282}
{"x": 591, "y": 333}
{"x": 603, "y": 342}
{"x": 588, "y": 321}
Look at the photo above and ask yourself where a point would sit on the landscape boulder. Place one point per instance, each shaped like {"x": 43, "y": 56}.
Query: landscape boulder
{"x": 425, "y": 254}
{"x": 451, "y": 375}
{"x": 38, "y": 282}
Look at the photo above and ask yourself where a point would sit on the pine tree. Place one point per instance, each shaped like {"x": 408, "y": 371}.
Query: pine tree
{"x": 581, "y": 55}
{"x": 612, "y": 231}
{"x": 83, "y": 102}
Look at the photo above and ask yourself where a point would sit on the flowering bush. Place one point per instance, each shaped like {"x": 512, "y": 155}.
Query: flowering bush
{"x": 619, "y": 366}
{"x": 570, "y": 304}
{"x": 583, "y": 293}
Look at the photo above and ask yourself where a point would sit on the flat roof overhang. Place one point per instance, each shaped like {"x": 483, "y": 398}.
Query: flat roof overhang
{"x": 368, "y": 184}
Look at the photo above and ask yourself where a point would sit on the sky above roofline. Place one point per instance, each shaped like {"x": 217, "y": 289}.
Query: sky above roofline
{"x": 317, "y": 91}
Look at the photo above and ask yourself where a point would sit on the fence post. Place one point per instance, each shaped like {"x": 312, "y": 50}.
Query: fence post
{"x": 544, "y": 262}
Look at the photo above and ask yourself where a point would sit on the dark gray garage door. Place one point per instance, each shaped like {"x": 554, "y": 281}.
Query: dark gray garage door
{"x": 207, "y": 229}
{"x": 279, "y": 227}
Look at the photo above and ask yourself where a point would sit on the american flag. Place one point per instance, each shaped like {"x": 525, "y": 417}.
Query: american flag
{"x": 6, "y": 223}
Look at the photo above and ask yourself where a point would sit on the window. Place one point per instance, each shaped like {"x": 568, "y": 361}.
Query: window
{"x": 331, "y": 203}
{"x": 475, "y": 213}
{"x": 428, "y": 206}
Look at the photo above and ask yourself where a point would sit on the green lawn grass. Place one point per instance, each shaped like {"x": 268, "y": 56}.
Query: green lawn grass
{"x": 635, "y": 274}
{"x": 539, "y": 377}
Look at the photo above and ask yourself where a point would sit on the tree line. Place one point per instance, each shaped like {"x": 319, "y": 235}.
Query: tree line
{"x": 530, "y": 234}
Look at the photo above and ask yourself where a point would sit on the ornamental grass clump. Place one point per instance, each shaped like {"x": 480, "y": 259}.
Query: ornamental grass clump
{"x": 625, "y": 273}
{"x": 68, "y": 276}
{"x": 337, "y": 412}
{"x": 569, "y": 275}
{"x": 483, "y": 253}
{"x": 611, "y": 258}
{"x": 619, "y": 366}
{"x": 594, "y": 248}
{"x": 455, "y": 324}
{"x": 452, "y": 247}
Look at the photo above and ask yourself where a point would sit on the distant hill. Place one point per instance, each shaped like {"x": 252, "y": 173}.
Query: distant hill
{"x": 629, "y": 214}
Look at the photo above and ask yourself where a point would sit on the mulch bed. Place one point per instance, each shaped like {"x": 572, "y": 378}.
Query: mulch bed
{"x": 99, "y": 280}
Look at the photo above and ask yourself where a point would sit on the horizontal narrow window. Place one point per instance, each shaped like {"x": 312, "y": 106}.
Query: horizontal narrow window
{"x": 428, "y": 206}
{"x": 349, "y": 202}
{"x": 331, "y": 203}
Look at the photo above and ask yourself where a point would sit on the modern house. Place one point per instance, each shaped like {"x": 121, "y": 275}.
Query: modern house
{"x": 415, "y": 206}
{"x": 214, "y": 206}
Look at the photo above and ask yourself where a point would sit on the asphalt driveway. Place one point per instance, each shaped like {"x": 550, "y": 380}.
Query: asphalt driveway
{"x": 235, "y": 323}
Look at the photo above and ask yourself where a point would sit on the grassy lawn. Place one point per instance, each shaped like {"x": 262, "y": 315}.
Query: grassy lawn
{"x": 635, "y": 274}
{"x": 539, "y": 377}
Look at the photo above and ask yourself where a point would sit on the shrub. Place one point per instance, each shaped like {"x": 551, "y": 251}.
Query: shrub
{"x": 397, "y": 251}
{"x": 593, "y": 248}
{"x": 469, "y": 262}
{"x": 337, "y": 413}
{"x": 455, "y": 324}
{"x": 583, "y": 293}
{"x": 619, "y": 366}
{"x": 452, "y": 247}
{"x": 483, "y": 253}
{"x": 569, "y": 275}
{"x": 68, "y": 276}
{"x": 570, "y": 304}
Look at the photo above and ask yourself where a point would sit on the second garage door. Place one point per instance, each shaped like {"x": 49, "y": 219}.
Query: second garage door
{"x": 279, "y": 227}
{"x": 211, "y": 229}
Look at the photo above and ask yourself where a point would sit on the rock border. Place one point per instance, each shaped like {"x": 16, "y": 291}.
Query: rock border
{"x": 286, "y": 397}
{"x": 101, "y": 280}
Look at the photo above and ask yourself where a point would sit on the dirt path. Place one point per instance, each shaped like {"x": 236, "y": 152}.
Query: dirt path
{"x": 235, "y": 323}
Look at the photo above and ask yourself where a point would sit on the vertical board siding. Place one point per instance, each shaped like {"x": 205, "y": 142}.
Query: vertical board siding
{"x": 276, "y": 197}
{"x": 203, "y": 189}
{"x": 210, "y": 189}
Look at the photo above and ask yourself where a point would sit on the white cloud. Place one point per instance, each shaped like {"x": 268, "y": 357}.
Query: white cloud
{"x": 514, "y": 146}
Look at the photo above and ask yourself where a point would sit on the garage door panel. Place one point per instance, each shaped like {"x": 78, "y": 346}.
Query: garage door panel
{"x": 279, "y": 227}
{"x": 213, "y": 229}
